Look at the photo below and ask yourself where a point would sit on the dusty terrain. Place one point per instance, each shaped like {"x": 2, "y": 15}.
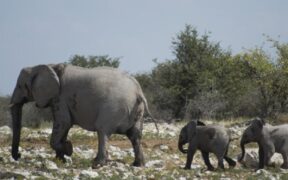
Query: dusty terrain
{"x": 163, "y": 160}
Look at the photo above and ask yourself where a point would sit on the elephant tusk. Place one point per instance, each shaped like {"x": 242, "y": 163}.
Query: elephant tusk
{"x": 10, "y": 105}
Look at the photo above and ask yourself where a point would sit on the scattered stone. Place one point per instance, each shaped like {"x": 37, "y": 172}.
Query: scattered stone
{"x": 50, "y": 165}
{"x": 88, "y": 174}
{"x": 116, "y": 152}
{"x": 164, "y": 147}
{"x": 155, "y": 164}
{"x": 5, "y": 130}
{"x": 250, "y": 159}
{"x": 84, "y": 153}
{"x": 262, "y": 171}
{"x": 11, "y": 175}
{"x": 182, "y": 178}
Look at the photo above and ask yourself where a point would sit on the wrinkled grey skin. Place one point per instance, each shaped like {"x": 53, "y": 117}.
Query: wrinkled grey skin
{"x": 101, "y": 99}
{"x": 210, "y": 138}
{"x": 270, "y": 139}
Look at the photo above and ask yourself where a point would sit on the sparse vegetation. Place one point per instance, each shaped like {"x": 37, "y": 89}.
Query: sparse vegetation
{"x": 163, "y": 160}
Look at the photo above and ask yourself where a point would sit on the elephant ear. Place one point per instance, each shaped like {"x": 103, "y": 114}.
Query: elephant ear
{"x": 44, "y": 84}
{"x": 200, "y": 123}
{"x": 259, "y": 122}
{"x": 192, "y": 129}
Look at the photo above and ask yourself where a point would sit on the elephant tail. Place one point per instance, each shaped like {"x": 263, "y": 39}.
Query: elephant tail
{"x": 148, "y": 112}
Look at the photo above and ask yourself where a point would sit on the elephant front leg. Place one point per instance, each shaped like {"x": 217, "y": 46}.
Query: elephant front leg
{"x": 261, "y": 157}
{"x": 60, "y": 154}
{"x": 101, "y": 158}
{"x": 61, "y": 125}
{"x": 190, "y": 154}
{"x": 58, "y": 140}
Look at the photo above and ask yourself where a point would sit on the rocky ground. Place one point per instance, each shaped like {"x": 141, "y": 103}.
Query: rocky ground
{"x": 163, "y": 160}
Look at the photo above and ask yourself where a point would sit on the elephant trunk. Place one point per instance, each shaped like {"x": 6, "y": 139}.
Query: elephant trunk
{"x": 242, "y": 145}
{"x": 180, "y": 147}
{"x": 16, "y": 111}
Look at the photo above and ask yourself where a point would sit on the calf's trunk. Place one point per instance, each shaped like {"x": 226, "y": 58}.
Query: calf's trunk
{"x": 242, "y": 145}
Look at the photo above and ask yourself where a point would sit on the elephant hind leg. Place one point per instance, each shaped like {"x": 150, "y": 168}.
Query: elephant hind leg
{"x": 230, "y": 161}
{"x": 134, "y": 134}
{"x": 285, "y": 160}
{"x": 220, "y": 156}
{"x": 205, "y": 156}
{"x": 220, "y": 162}
{"x": 101, "y": 158}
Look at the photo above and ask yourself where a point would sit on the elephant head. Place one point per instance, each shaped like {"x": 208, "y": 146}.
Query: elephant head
{"x": 252, "y": 133}
{"x": 186, "y": 133}
{"x": 39, "y": 84}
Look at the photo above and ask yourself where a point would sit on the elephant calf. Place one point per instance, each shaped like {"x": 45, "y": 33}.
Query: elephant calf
{"x": 270, "y": 139}
{"x": 206, "y": 138}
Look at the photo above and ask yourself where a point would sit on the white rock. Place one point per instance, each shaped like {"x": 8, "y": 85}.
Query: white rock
{"x": 87, "y": 154}
{"x": 164, "y": 147}
{"x": 284, "y": 171}
{"x": 23, "y": 172}
{"x": 195, "y": 166}
{"x": 45, "y": 174}
{"x": 277, "y": 158}
{"x": 172, "y": 134}
{"x": 250, "y": 159}
{"x": 262, "y": 171}
{"x": 116, "y": 152}
{"x": 175, "y": 156}
{"x": 86, "y": 174}
{"x": 6, "y": 130}
{"x": 155, "y": 163}
{"x": 130, "y": 151}
{"x": 182, "y": 178}
{"x": 50, "y": 165}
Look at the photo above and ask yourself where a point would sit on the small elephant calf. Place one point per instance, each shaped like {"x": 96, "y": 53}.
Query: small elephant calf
{"x": 206, "y": 138}
{"x": 270, "y": 139}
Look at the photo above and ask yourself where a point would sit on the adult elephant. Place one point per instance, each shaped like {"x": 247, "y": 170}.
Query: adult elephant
{"x": 101, "y": 99}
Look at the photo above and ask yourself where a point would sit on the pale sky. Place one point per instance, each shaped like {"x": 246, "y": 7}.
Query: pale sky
{"x": 36, "y": 32}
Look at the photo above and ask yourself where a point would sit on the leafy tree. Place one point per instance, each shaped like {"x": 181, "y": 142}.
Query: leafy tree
{"x": 94, "y": 61}
{"x": 192, "y": 73}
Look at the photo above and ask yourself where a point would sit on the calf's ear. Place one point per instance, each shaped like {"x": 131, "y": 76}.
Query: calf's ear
{"x": 191, "y": 129}
{"x": 259, "y": 122}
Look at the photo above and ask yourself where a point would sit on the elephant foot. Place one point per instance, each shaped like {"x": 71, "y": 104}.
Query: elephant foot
{"x": 16, "y": 156}
{"x": 211, "y": 168}
{"x": 138, "y": 164}
{"x": 67, "y": 148}
{"x": 61, "y": 157}
{"x": 98, "y": 163}
{"x": 187, "y": 167}
{"x": 232, "y": 164}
